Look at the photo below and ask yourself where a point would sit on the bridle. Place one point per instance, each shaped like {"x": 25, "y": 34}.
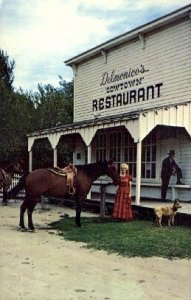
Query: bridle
{"x": 112, "y": 167}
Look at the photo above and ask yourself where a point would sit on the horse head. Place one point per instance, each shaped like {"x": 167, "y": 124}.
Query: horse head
{"x": 2, "y": 177}
{"x": 111, "y": 171}
{"x": 18, "y": 166}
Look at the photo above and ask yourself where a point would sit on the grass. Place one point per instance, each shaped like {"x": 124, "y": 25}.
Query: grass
{"x": 135, "y": 238}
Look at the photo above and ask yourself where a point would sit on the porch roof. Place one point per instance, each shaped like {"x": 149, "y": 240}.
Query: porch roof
{"x": 87, "y": 123}
{"x": 165, "y": 115}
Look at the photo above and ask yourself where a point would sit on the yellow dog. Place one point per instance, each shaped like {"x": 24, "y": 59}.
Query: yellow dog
{"x": 167, "y": 211}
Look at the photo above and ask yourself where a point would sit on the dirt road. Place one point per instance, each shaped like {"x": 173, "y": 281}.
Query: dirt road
{"x": 43, "y": 266}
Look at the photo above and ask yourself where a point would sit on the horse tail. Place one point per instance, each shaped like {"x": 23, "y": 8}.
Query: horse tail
{"x": 18, "y": 187}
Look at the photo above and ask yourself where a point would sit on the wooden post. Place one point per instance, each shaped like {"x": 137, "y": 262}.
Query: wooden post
{"x": 138, "y": 178}
{"x": 55, "y": 157}
{"x": 30, "y": 160}
{"x": 89, "y": 159}
{"x": 102, "y": 201}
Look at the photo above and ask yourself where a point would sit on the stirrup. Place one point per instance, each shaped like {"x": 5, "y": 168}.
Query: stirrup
{"x": 71, "y": 190}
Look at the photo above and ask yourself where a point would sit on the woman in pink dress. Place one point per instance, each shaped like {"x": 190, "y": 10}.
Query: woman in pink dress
{"x": 122, "y": 207}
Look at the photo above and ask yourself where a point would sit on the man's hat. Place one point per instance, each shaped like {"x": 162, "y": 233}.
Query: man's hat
{"x": 171, "y": 152}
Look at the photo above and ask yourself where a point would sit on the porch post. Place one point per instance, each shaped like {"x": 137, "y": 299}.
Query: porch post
{"x": 30, "y": 160}
{"x": 30, "y": 144}
{"x": 55, "y": 157}
{"x": 89, "y": 159}
{"x": 138, "y": 169}
{"x": 54, "y": 139}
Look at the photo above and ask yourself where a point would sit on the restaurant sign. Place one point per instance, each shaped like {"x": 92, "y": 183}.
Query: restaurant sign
{"x": 126, "y": 88}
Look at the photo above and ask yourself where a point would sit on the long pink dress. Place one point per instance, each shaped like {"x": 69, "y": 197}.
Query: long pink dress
{"x": 122, "y": 206}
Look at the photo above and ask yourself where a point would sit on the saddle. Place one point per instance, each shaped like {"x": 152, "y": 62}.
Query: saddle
{"x": 70, "y": 172}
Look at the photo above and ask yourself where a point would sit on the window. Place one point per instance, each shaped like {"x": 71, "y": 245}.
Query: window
{"x": 130, "y": 154}
{"x": 101, "y": 147}
{"x": 115, "y": 147}
{"x": 120, "y": 146}
{"x": 108, "y": 146}
{"x": 148, "y": 168}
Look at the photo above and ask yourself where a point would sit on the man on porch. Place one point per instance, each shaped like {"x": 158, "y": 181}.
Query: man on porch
{"x": 169, "y": 168}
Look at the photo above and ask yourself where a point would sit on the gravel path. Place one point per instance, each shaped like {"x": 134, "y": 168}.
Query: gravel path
{"x": 43, "y": 266}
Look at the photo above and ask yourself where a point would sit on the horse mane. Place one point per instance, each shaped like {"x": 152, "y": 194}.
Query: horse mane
{"x": 87, "y": 169}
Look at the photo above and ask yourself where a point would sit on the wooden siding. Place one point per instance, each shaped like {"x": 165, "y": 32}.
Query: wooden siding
{"x": 167, "y": 56}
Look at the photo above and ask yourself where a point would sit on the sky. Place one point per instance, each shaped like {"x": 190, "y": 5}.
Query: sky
{"x": 39, "y": 35}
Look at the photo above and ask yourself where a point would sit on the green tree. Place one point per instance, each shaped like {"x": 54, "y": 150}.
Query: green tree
{"x": 6, "y": 70}
{"x": 54, "y": 106}
{"x": 17, "y": 114}
{"x": 23, "y": 112}
{"x": 16, "y": 120}
{"x": 67, "y": 88}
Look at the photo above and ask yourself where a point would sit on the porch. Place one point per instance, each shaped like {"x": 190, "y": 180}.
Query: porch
{"x": 143, "y": 211}
{"x": 141, "y": 139}
{"x": 152, "y": 203}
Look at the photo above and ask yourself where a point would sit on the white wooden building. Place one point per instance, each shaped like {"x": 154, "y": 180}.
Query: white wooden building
{"x": 132, "y": 102}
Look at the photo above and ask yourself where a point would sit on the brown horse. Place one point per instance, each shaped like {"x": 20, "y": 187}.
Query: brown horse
{"x": 6, "y": 176}
{"x": 45, "y": 182}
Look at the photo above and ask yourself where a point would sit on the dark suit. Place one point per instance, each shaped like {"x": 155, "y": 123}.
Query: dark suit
{"x": 169, "y": 167}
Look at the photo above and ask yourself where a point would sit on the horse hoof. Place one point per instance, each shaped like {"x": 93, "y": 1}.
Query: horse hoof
{"x": 78, "y": 225}
{"x": 31, "y": 228}
{"x": 23, "y": 228}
